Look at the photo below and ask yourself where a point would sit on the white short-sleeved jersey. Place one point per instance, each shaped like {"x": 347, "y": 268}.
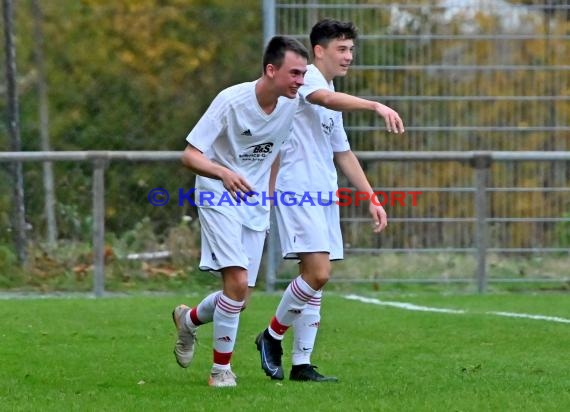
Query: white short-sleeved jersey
{"x": 236, "y": 133}
{"x": 307, "y": 157}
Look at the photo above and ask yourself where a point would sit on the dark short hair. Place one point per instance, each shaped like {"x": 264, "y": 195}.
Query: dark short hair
{"x": 326, "y": 30}
{"x": 275, "y": 50}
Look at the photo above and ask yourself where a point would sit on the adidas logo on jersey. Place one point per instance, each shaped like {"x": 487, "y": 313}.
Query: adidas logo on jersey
{"x": 246, "y": 133}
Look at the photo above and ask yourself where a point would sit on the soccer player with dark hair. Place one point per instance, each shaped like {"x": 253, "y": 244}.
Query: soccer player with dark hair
{"x": 311, "y": 233}
{"x": 232, "y": 149}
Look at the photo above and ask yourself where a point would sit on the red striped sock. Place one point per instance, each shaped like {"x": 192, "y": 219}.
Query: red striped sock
{"x": 221, "y": 358}
{"x": 194, "y": 317}
{"x": 277, "y": 327}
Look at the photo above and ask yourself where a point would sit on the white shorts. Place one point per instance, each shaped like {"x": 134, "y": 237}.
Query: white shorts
{"x": 309, "y": 228}
{"x": 226, "y": 242}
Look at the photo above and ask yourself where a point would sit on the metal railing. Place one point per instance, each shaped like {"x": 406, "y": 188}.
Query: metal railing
{"x": 480, "y": 162}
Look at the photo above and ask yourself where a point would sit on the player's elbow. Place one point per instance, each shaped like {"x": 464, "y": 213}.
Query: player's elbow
{"x": 328, "y": 101}
{"x": 323, "y": 98}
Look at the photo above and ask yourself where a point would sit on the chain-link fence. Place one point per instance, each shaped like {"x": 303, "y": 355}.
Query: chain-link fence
{"x": 464, "y": 75}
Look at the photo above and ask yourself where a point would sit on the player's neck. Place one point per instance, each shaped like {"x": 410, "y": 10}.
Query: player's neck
{"x": 266, "y": 99}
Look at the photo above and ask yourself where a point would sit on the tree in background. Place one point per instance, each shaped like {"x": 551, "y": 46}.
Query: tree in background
{"x": 136, "y": 75}
{"x": 127, "y": 75}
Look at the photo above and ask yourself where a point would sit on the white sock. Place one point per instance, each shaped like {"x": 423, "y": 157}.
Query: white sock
{"x": 226, "y": 321}
{"x": 293, "y": 301}
{"x": 305, "y": 329}
{"x": 204, "y": 311}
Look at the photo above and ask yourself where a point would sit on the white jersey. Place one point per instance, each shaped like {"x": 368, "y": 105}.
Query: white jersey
{"x": 307, "y": 157}
{"x": 236, "y": 133}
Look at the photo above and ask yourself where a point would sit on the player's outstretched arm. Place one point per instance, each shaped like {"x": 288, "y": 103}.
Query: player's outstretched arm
{"x": 195, "y": 160}
{"x": 349, "y": 165}
{"x": 343, "y": 102}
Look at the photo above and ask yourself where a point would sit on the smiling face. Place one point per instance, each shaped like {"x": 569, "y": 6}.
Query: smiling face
{"x": 334, "y": 58}
{"x": 288, "y": 77}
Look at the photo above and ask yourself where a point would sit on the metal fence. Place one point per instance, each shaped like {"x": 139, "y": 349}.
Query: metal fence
{"x": 484, "y": 90}
{"x": 465, "y": 76}
{"x": 482, "y": 242}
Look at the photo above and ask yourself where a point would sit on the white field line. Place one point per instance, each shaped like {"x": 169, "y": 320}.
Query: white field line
{"x": 402, "y": 305}
{"x": 526, "y": 316}
{"x": 412, "y": 306}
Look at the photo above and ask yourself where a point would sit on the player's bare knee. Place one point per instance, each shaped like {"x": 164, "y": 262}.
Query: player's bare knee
{"x": 236, "y": 289}
{"x": 317, "y": 278}
{"x": 235, "y": 281}
{"x": 321, "y": 279}
{"x": 241, "y": 290}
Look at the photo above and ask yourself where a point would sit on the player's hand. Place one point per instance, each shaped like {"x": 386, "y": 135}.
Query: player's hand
{"x": 379, "y": 216}
{"x": 236, "y": 184}
{"x": 392, "y": 118}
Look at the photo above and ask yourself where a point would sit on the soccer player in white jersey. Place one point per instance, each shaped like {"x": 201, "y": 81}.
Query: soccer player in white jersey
{"x": 232, "y": 149}
{"x": 311, "y": 233}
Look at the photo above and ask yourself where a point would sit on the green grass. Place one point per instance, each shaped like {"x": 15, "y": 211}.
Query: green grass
{"x": 115, "y": 354}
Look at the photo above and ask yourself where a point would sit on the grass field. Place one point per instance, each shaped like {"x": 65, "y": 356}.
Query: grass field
{"x": 115, "y": 354}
